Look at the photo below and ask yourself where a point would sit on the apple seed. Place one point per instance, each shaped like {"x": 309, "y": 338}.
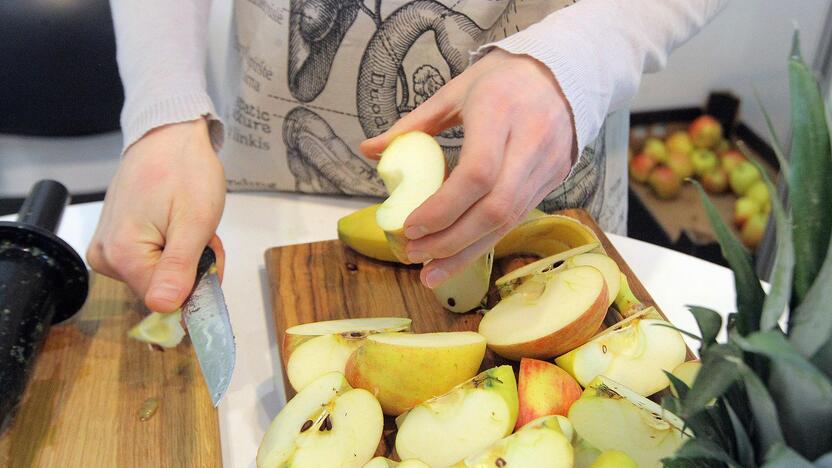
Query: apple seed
{"x": 306, "y": 425}
{"x": 500, "y": 462}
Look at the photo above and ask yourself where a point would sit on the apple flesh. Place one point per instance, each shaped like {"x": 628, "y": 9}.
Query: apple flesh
{"x": 626, "y": 302}
{"x": 464, "y": 421}
{"x": 356, "y": 328}
{"x": 467, "y": 289}
{"x": 704, "y": 161}
{"x": 327, "y": 424}
{"x": 715, "y": 181}
{"x": 548, "y": 315}
{"x": 705, "y": 132}
{"x": 318, "y": 356}
{"x": 544, "y": 389}
{"x": 544, "y": 236}
{"x": 640, "y": 167}
{"x": 665, "y": 183}
{"x": 405, "y": 369}
{"x": 743, "y": 177}
{"x": 381, "y": 462}
{"x": 610, "y": 416}
{"x": 507, "y": 283}
{"x": 680, "y": 164}
{"x": 614, "y": 459}
{"x": 412, "y": 168}
{"x": 686, "y": 372}
{"x": 604, "y": 264}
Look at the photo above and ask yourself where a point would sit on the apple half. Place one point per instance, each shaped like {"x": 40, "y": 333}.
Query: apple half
{"x": 544, "y": 389}
{"x": 412, "y": 168}
{"x": 548, "y": 315}
{"x": 544, "y": 236}
{"x": 356, "y": 328}
{"x": 508, "y": 282}
{"x": 466, "y": 420}
{"x": 634, "y": 352}
{"x": 610, "y": 416}
{"x": 604, "y": 264}
{"x": 327, "y": 424}
{"x": 381, "y": 462}
{"x": 405, "y": 369}
{"x": 466, "y": 290}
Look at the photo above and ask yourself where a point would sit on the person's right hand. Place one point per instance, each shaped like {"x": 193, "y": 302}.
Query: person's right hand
{"x": 161, "y": 210}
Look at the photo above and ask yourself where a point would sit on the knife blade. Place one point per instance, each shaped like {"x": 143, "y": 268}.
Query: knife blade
{"x": 206, "y": 318}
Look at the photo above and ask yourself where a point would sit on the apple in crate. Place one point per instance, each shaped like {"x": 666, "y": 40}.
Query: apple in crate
{"x": 759, "y": 192}
{"x": 705, "y": 132}
{"x": 744, "y": 209}
{"x": 731, "y": 159}
{"x": 635, "y": 352}
{"x": 665, "y": 183}
{"x": 753, "y": 230}
{"x": 405, "y": 369}
{"x": 743, "y": 177}
{"x": 544, "y": 389}
{"x": 655, "y": 148}
{"x": 704, "y": 161}
{"x": 686, "y": 372}
{"x": 680, "y": 164}
{"x": 640, "y": 167}
{"x": 679, "y": 142}
{"x": 462, "y": 422}
{"x": 327, "y": 424}
{"x": 547, "y": 315}
{"x": 715, "y": 181}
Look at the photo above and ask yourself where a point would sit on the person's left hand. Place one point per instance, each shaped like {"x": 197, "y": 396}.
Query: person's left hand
{"x": 519, "y": 146}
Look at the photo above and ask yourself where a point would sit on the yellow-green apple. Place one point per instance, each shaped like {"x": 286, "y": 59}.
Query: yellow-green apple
{"x": 759, "y": 192}
{"x": 558, "y": 422}
{"x": 381, "y": 462}
{"x": 686, "y": 372}
{"x": 547, "y": 315}
{"x": 614, "y": 459}
{"x": 466, "y": 289}
{"x": 544, "y": 389}
{"x": 604, "y": 264}
{"x": 731, "y": 159}
{"x": 715, "y": 181}
{"x": 544, "y": 235}
{"x": 665, "y": 183}
{"x": 753, "y": 230}
{"x": 640, "y": 167}
{"x": 705, "y": 132}
{"x": 626, "y": 302}
{"x": 704, "y": 160}
{"x": 405, "y": 369}
{"x": 680, "y": 164}
{"x": 610, "y": 416}
{"x": 679, "y": 142}
{"x": 744, "y": 209}
{"x": 655, "y": 148}
{"x": 743, "y": 177}
{"x": 462, "y": 422}
{"x": 327, "y": 424}
{"x": 412, "y": 168}
{"x": 722, "y": 146}
{"x": 540, "y": 443}
{"x": 635, "y": 352}
{"x": 508, "y": 282}
{"x": 356, "y": 329}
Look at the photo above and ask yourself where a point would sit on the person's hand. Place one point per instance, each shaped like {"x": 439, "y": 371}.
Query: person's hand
{"x": 519, "y": 146}
{"x": 161, "y": 210}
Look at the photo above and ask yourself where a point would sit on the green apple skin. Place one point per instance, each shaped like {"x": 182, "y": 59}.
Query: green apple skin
{"x": 743, "y": 177}
{"x": 759, "y": 192}
{"x": 731, "y": 159}
{"x": 679, "y": 142}
{"x": 752, "y": 232}
{"x": 656, "y": 149}
{"x": 744, "y": 209}
{"x": 704, "y": 161}
{"x": 715, "y": 181}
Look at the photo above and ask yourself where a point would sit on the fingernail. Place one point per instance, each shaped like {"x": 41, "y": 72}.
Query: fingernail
{"x": 415, "y": 232}
{"x": 435, "y": 277}
{"x": 165, "y": 293}
{"x": 417, "y": 256}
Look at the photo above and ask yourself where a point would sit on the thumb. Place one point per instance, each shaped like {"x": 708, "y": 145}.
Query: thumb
{"x": 173, "y": 275}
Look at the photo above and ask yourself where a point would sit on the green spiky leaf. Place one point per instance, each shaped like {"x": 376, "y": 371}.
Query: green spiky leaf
{"x": 705, "y": 449}
{"x": 721, "y": 373}
{"x": 804, "y": 402}
{"x": 780, "y": 456}
{"x": 774, "y": 346}
{"x": 709, "y": 322}
{"x": 742, "y": 443}
{"x": 775, "y": 142}
{"x": 763, "y": 410}
{"x": 810, "y": 326}
{"x": 824, "y": 461}
{"x": 678, "y": 385}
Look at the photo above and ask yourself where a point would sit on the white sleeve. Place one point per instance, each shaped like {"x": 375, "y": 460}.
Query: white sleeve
{"x": 162, "y": 52}
{"x": 598, "y": 49}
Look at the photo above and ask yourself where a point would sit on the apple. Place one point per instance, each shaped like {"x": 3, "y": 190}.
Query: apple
{"x": 327, "y": 424}
{"x": 731, "y": 159}
{"x": 381, "y": 462}
{"x": 462, "y": 422}
{"x": 508, "y": 282}
{"x": 161, "y": 329}
{"x": 679, "y": 142}
{"x": 665, "y": 183}
{"x": 544, "y": 236}
{"x": 634, "y": 352}
{"x": 655, "y": 148}
{"x": 744, "y": 209}
{"x": 548, "y": 315}
{"x": 361, "y": 233}
{"x": 705, "y": 132}
{"x": 722, "y": 146}
{"x": 405, "y": 369}
{"x": 704, "y": 160}
{"x": 466, "y": 289}
{"x": 640, "y": 167}
{"x": 686, "y": 372}
{"x": 412, "y": 168}
{"x": 604, "y": 264}
{"x": 759, "y": 192}
{"x": 680, "y": 164}
{"x": 715, "y": 181}
{"x": 610, "y": 416}
{"x": 626, "y": 302}
{"x": 753, "y": 230}
{"x": 614, "y": 459}
{"x": 743, "y": 177}
{"x": 357, "y": 328}
{"x": 544, "y": 389}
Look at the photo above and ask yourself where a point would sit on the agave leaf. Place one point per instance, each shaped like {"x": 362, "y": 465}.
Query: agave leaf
{"x": 750, "y": 295}
{"x": 774, "y": 346}
{"x": 810, "y": 324}
{"x": 810, "y": 193}
{"x": 721, "y": 373}
{"x": 709, "y": 321}
{"x": 688, "y": 463}
{"x": 804, "y": 401}
{"x": 742, "y": 444}
{"x": 673, "y": 327}
{"x": 678, "y": 385}
{"x": 775, "y": 142}
{"x": 705, "y": 449}
{"x": 763, "y": 410}
{"x": 824, "y": 461}
{"x": 780, "y": 456}
{"x": 823, "y": 359}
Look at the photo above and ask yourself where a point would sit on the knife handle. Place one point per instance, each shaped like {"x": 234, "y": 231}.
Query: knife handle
{"x": 206, "y": 261}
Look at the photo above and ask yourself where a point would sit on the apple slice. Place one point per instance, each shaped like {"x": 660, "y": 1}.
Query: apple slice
{"x": 405, "y": 369}
{"x": 544, "y": 389}
{"x": 548, "y": 315}
{"x": 604, "y": 264}
{"x": 544, "y": 236}
{"x": 626, "y": 302}
{"x": 356, "y": 328}
{"x": 327, "y": 424}
{"x": 466, "y": 290}
{"x": 686, "y": 372}
{"x": 541, "y": 266}
{"x": 614, "y": 459}
{"x": 635, "y": 354}
{"x": 466, "y": 420}
{"x": 381, "y": 462}
{"x": 610, "y": 416}
{"x": 412, "y": 168}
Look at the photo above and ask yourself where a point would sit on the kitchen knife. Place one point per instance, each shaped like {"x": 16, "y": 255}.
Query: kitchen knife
{"x": 206, "y": 318}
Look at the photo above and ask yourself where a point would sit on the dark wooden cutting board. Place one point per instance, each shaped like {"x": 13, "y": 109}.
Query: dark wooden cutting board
{"x": 81, "y": 406}
{"x": 328, "y": 280}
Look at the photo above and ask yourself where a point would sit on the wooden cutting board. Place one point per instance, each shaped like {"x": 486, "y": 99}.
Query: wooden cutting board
{"x": 81, "y": 407}
{"x": 328, "y": 280}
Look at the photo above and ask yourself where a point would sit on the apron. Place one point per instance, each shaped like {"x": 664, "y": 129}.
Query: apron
{"x": 308, "y": 80}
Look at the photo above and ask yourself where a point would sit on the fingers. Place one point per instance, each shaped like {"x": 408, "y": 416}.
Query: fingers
{"x": 438, "y": 271}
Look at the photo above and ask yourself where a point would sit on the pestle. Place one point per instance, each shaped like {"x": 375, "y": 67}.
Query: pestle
{"x": 42, "y": 281}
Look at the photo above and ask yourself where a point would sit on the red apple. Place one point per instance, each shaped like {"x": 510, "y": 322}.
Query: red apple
{"x": 715, "y": 181}
{"x": 744, "y": 209}
{"x": 743, "y": 177}
{"x": 679, "y": 142}
{"x": 544, "y": 389}
{"x": 722, "y": 146}
{"x": 680, "y": 164}
{"x": 655, "y": 148}
{"x": 640, "y": 167}
{"x": 704, "y": 160}
{"x": 665, "y": 183}
{"x": 705, "y": 132}
{"x": 753, "y": 230}
{"x": 731, "y": 159}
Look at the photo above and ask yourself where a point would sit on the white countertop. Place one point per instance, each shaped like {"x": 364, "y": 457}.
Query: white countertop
{"x": 254, "y": 222}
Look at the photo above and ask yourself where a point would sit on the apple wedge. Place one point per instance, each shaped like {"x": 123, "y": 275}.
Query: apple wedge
{"x": 544, "y": 389}
{"x": 548, "y": 315}
{"x": 510, "y": 280}
{"x": 604, "y": 264}
{"x": 381, "y": 462}
{"x": 412, "y": 168}
{"x": 356, "y": 328}
{"x": 327, "y": 424}
{"x": 361, "y": 233}
{"x": 545, "y": 236}
{"x": 466, "y": 420}
{"x": 610, "y": 416}
{"x": 466, "y": 290}
{"x": 626, "y": 302}
{"x": 635, "y": 354}
{"x": 686, "y": 372}
{"x": 405, "y": 369}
